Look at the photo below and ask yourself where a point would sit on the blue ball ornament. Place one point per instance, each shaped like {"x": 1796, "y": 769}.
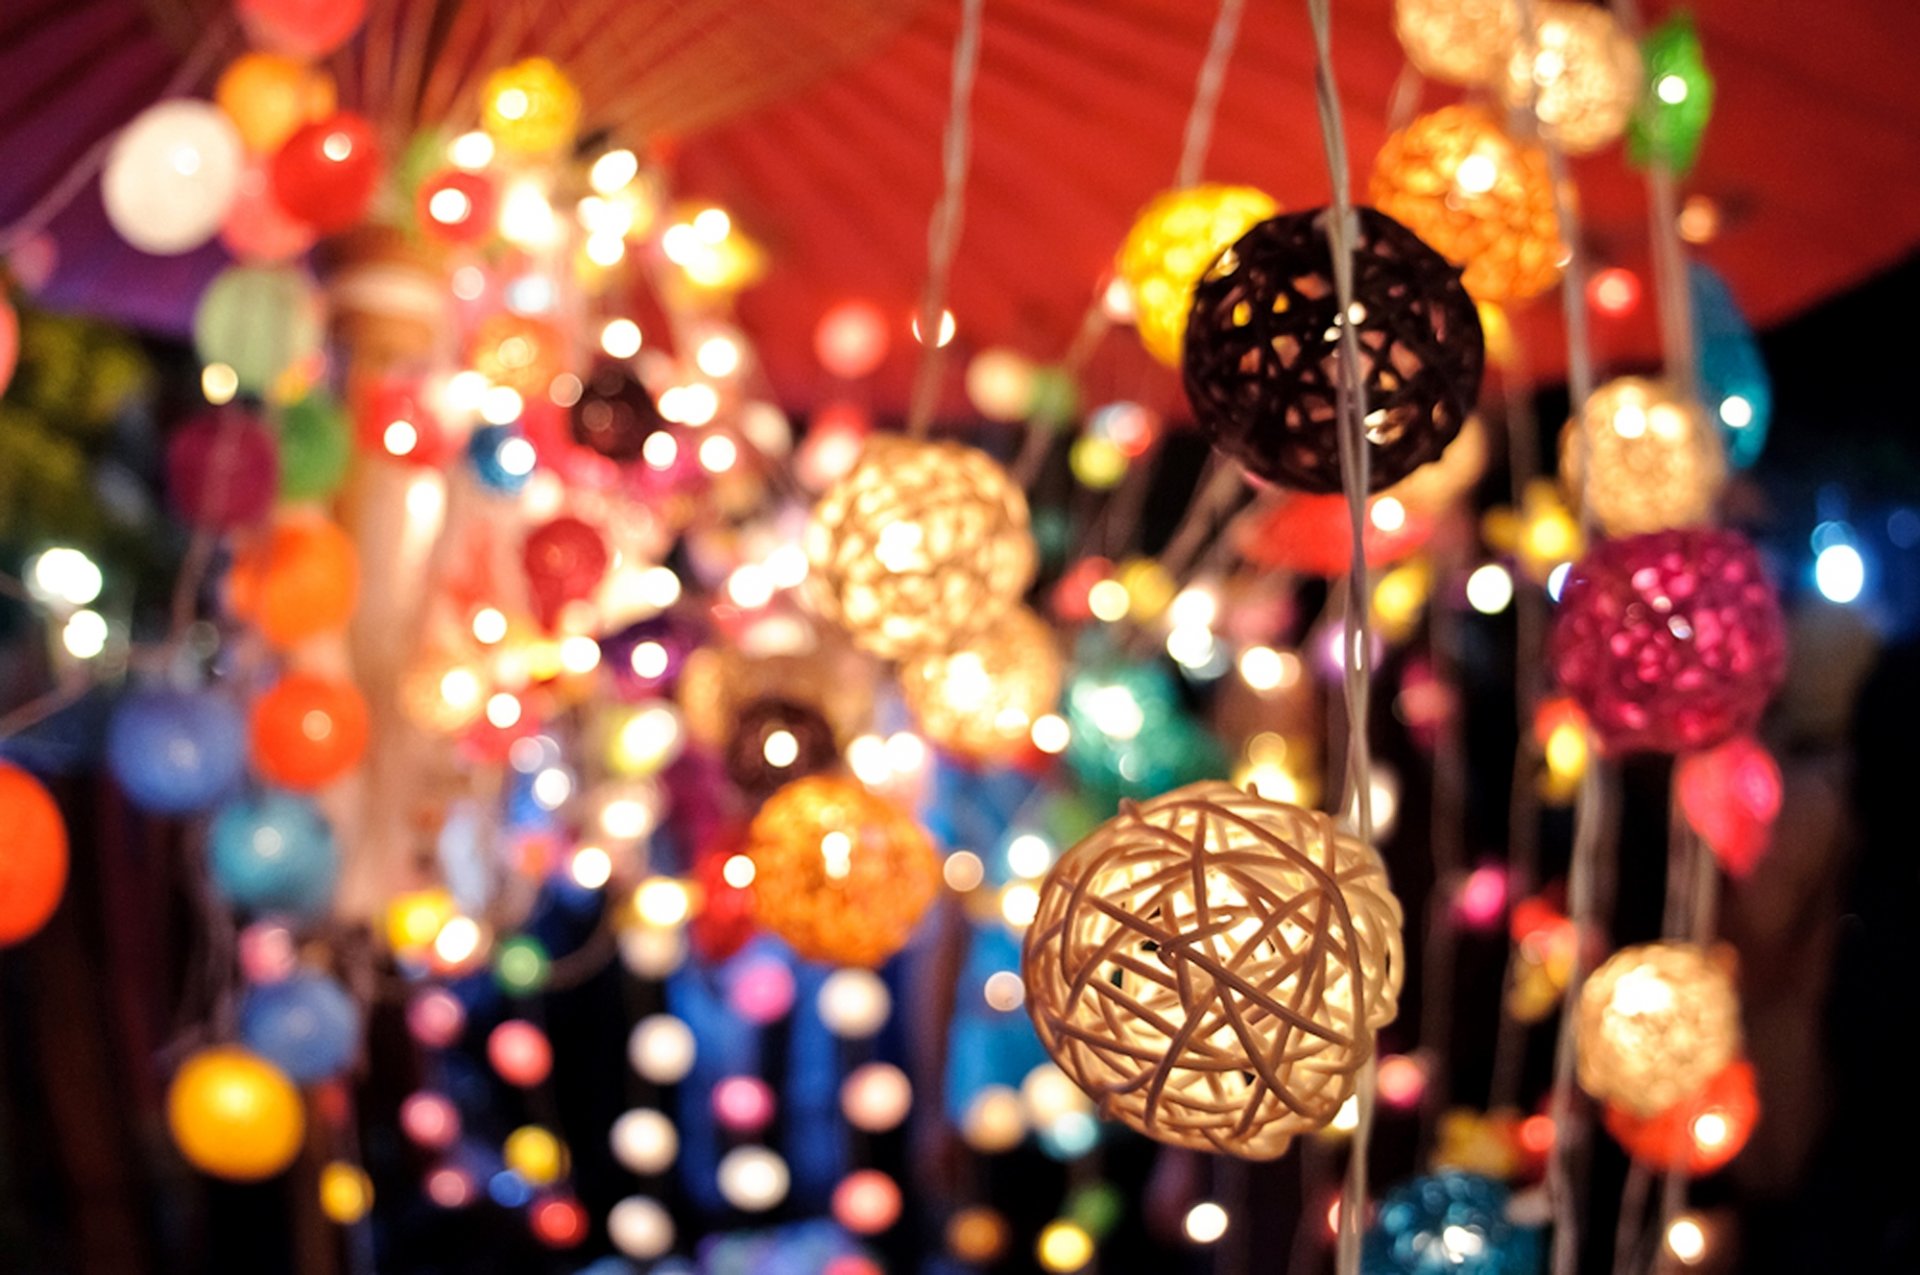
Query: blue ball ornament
{"x": 306, "y": 1025}
{"x": 1734, "y": 384}
{"x": 502, "y": 458}
{"x": 175, "y": 752}
{"x": 1131, "y": 736}
{"x": 273, "y": 852}
{"x": 1448, "y": 1224}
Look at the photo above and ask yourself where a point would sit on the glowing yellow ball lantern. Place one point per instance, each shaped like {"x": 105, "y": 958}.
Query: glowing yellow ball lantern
{"x": 269, "y": 95}
{"x": 535, "y": 1154}
{"x": 841, "y": 874}
{"x": 346, "y": 1192}
{"x": 1212, "y": 967}
{"x": 1480, "y": 198}
{"x": 1173, "y": 240}
{"x": 1654, "y": 1025}
{"x": 1580, "y": 73}
{"x": 920, "y": 546}
{"x": 982, "y": 698}
{"x": 235, "y": 1115}
{"x": 1459, "y": 41}
{"x": 531, "y": 107}
{"x": 1642, "y": 458}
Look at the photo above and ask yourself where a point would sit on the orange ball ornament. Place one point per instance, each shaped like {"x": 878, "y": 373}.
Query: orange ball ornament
{"x": 270, "y": 95}
{"x": 297, "y": 581}
{"x": 841, "y": 874}
{"x": 520, "y": 352}
{"x": 33, "y": 854}
{"x": 235, "y": 1115}
{"x": 307, "y": 731}
{"x": 1701, "y": 1134}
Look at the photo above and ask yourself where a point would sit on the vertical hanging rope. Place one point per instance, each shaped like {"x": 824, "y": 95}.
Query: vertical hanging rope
{"x": 943, "y": 231}
{"x": 1351, "y": 410}
{"x": 1197, "y": 136}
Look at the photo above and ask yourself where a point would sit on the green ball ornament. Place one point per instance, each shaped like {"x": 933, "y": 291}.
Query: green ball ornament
{"x": 315, "y": 447}
{"x": 1678, "y": 99}
{"x": 259, "y": 321}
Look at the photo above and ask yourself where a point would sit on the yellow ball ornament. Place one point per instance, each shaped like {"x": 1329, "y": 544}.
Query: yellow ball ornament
{"x": 839, "y": 873}
{"x": 1480, "y": 198}
{"x": 1580, "y": 73}
{"x": 920, "y": 546}
{"x": 346, "y": 1192}
{"x": 1643, "y": 459}
{"x": 235, "y": 1115}
{"x": 1173, "y": 241}
{"x": 1212, "y": 968}
{"x": 1459, "y": 41}
{"x": 531, "y": 107}
{"x": 269, "y": 96}
{"x": 535, "y": 1154}
{"x": 982, "y": 698}
{"x": 1654, "y": 1025}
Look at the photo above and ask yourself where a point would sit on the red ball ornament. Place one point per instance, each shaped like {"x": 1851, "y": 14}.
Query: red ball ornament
{"x": 559, "y": 1222}
{"x": 258, "y": 231}
{"x": 458, "y": 208}
{"x": 392, "y": 418}
{"x": 867, "y": 1202}
{"x": 724, "y": 922}
{"x": 222, "y": 470}
{"x": 520, "y": 1053}
{"x": 1702, "y": 1134}
{"x": 1671, "y": 641}
{"x": 33, "y": 854}
{"x": 1314, "y": 534}
{"x": 308, "y": 731}
{"x": 851, "y": 339}
{"x": 565, "y": 561}
{"x": 327, "y": 172}
{"x": 302, "y": 28}
{"x": 1731, "y": 795}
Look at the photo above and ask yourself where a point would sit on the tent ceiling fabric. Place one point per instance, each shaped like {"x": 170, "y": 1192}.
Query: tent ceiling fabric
{"x": 1078, "y": 111}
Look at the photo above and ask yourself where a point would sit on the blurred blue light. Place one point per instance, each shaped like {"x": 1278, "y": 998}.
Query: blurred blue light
{"x": 1840, "y": 573}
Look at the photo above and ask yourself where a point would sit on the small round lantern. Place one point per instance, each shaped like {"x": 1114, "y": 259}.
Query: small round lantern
{"x": 615, "y": 415}
{"x": 33, "y": 854}
{"x": 1734, "y": 384}
{"x": 259, "y": 321}
{"x": 222, "y": 470}
{"x": 171, "y": 175}
{"x": 235, "y": 1115}
{"x": 1263, "y": 350}
{"x": 257, "y": 231}
{"x": 327, "y": 172}
{"x": 176, "y": 752}
{"x": 1697, "y": 1135}
{"x": 302, "y": 28}
{"x": 777, "y": 740}
{"x": 1578, "y": 71}
{"x": 458, "y": 207}
{"x": 531, "y": 107}
{"x": 1448, "y": 1222}
{"x": 1642, "y": 458}
{"x": 273, "y": 852}
{"x": 1670, "y": 642}
{"x": 1211, "y": 968}
{"x": 315, "y": 448}
{"x": 520, "y": 352}
{"x": 299, "y": 579}
{"x": 1172, "y": 242}
{"x": 919, "y": 546}
{"x": 269, "y": 95}
{"x": 840, "y": 874}
{"x": 1654, "y": 1025}
{"x": 1673, "y": 112}
{"x": 1480, "y": 198}
{"x": 981, "y": 698}
{"x": 306, "y": 1025}
{"x": 1459, "y": 41}
{"x": 307, "y": 731}
{"x": 565, "y": 560}
{"x": 1731, "y": 795}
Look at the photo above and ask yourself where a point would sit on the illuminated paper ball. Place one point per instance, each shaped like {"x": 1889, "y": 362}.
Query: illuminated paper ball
{"x": 1699, "y": 1134}
{"x": 1731, "y": 796}
{"x": 1670, "y": 642}
{"x": 234, "y": 1115}
{"x": 920, "y": 545}
{"x": 307, "y": 731}
{"x": 273, "y": 852}
{"x": 640, "y": 1227}
{"x": 1452, "y": 1222}
{"x": 1263, "y": 342}
{"x": 458, "y": 207}
{"x": 854, "y": 1004}
{"x": 298, "y": 580}
{"x": 1477, "y": 196}
{"x": 176, "y": 751}
{"x": 777, "y": 740}
{"x": 269, "y": 95}
{"x": 753, "y": 1179}
{"x": 1459, "y": 41}
{"x": 839, "y": 873}
{"x": 1642, "y": 458}
{"x": 346, "y": 1192}
{"x": 1734, "y": 383}
{"x": 33, "y": 854}
{"x": 315, "y": 448}
{"x": 531, "y": 107}
{"x": 307, "y": 1025}
{"x": 1172, "y": 242}
{"x": 260, "y": 321}
{"x": 1212, "y": 967}
{"x": 866, "y": 1202}
{"x": 520, "y": 352}
{"x": 981, "y": 698}
{"x": 1678, "y": 101}
{"x": 328, "y": 172}
{"x": 1579, "y": 71}
{"x": 565, "y": 559}
{"x": 171, "y": 175}
{"x": 1654, "y": 1025}
{"x": 302, "y": 28}
{"x": 644, "y": 1141}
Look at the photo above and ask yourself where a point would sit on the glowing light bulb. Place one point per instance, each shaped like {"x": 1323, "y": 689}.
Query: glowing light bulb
{"x": 1205, "y": 1223}
{"x": 613, "y": 171}
{"x": 947, "y": 329}
{"x": 1840, "y": 573}
{"x": 85, "y": 634}
{"x": 1687, "y": 1240}
{"x": 219, "y": 383}
{"x": 718, "y": 356}
{"x": 1490, "y": 589}
{"x": 621, "y": 338}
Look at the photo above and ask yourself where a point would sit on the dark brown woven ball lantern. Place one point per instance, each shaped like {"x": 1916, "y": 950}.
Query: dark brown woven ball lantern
{"x": 777, "y": 740}
{"x": 614, "y": 414}
{"x": 1262, "y": 365}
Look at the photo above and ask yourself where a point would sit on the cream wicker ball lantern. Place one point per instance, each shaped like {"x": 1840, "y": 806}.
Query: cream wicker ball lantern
{"x": 1579, "y": 71}
{"x": 1654, "y": 1025}
{"x": 1642, "y": 458}
{"x": 982, "y": 698}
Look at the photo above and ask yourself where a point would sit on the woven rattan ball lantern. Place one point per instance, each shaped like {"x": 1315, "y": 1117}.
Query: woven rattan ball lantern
{"x": 920, "y": 546}
{"x": 1580, "y": 72}
{"x": 1263, "y": 350}
{"x": 1654, "y": 1025}
{"x": 776, "y": 740}
{"x": 1459, "y": 41}
{"x": 1172, "y": 242}
{"x": 1671, "y": 642}
{"x": 982, "y": 698}
{"x": 841, "y": 874}
{"x": 1479, "y": 197}
{"x": 1212, "y": 967}
{"x": 1642, "y": 458}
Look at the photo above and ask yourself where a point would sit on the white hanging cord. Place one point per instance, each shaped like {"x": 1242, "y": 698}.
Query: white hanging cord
{"x": 943, "y": 232}
{"x": 1198, "y": 134}
{"x": 1355, "y": 464}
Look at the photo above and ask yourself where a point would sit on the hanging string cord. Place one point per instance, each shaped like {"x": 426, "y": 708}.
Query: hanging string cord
{"x": 38, "y": 216}
{"x": 943, "y": 231}
{"x": 1350, "y": 411}
{"x": 1198, "y": 134}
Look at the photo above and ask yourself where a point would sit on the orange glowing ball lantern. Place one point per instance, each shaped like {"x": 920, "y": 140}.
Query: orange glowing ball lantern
{"x": 1699, "y": 1135}
{"x": 851, "y": 339}
{"x": 1458, "y": 41}
{"x": 297, "y": 580}
{"x": 1643, "y": 458}
{"x": 33, "y": 854}
{"x": 1730, "y": 796}
{"x": 307, "y": 731}
{"x": 982, "y": 698}
{"x": 1314, "y": 534}
{"x": 520, "y": 352}
{"x": 1482, "y": 198}
{"x": 531, "y": 107}
{"x": 839, "y": 873}
{"x": 270, "y": 95}
{"x": 1654, "y": 1025}
{"x": 1172, "y": 242}
{"x": 235, "y": 1115}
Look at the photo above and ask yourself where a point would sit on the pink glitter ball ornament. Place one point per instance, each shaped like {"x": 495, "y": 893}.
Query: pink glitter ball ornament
{"x": 1671, "y": 641}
